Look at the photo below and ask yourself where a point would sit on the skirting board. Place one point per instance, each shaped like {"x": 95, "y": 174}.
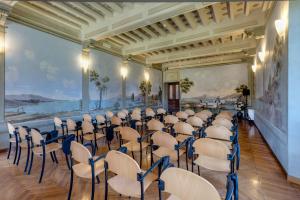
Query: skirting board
{"x": 293, "y": 179}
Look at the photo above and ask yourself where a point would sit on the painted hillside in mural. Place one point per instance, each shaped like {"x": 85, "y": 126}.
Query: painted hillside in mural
{"x": 212, "y": 83}
{"x": 38, "y": 82}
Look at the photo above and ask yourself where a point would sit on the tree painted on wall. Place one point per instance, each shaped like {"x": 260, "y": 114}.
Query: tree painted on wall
{"x": 159, "y": 94}
{"x": 100, "y": 84}
{"x": 185, "y": 85}
{"x": 143, "y": 88}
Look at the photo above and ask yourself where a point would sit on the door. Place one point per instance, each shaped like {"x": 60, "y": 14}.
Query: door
{"x": 173, "y": 97}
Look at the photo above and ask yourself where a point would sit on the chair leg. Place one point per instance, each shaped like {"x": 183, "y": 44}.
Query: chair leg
{"x": 19, "y": 155}
{"x": 132, "y": 155}
{"x": 55, "y": 158}
{"x": 27, "y": 159}
{"x": 43, "y": 167}
{"x": 67, "y": 161}
{"x": 93, "y": 187}
{"x": 31, "y": 161}
{"x": 199, "y": 171}
{"x": 9, "y": 150}
{"x": 141, "y": 158}
{"x": 52, "y": 158}
{"x": 71, "y": 185}
{"x": 16, "y": 152}
{"x": 98, "y": 179}
{"x": 186, "y": 160}
{"x": 106, "y": 185}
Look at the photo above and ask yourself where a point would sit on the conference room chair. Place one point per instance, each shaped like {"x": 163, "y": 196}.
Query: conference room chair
{"x": 91, "y": 134}
{"x": 24, "y": 143}
{"x": 123, "y": 116}
{"x": 149, "y": 113}
{"x": 160, "y": 113}
{"x": 190, "y": 112}
{"x": 223, "y": 122}
{"x": 183, "y": 184}
{"x": 60, "y": 125}
{"x": 129, "y": 179}
{"x": 184, "y": 130}
{"x": 203, "y": 116}
{"x": 224, "y": 135}
{"x": 87, "y": 118}
{"x": 41, "y": 147}
{"x": 182, "y": 116}
{"x": 163, "y": 144}
{"x": 86, "y": 166}
{"x": 197, "y": 123}
{"x": 169, "y": 122}
{"x": 13, "y": 139}
{"x": 75, "y": 129}
{"x": 134, "y": 141}
{"x": 216, "y": 156}
{"x": 108, "y": 115}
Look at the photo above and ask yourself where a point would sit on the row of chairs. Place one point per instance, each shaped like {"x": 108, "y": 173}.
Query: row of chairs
{"x": 170, "y": 138}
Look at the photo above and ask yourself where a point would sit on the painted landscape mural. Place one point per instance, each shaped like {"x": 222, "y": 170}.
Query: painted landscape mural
{"x": 105, "y": 92}
{"x": 212, "y": 83}
{"x": 271, "y": 76}
{"x": 42, "y": 73}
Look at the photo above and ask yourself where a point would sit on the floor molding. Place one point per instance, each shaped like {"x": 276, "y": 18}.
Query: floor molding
{"x": 293, "y": 179}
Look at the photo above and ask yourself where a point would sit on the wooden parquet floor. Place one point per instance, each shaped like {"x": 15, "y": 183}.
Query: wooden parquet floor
{"x": 260, "y": 176}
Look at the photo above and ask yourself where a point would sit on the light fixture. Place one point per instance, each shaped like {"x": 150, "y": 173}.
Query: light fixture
{"x": 85, "y": 62}
{"x": 261, "y": 56}
{"x": 124, "y": 69}
{"x": 280, "y": 26}
{"x": 146, "y": 75}
{"x": 254, "y": 68}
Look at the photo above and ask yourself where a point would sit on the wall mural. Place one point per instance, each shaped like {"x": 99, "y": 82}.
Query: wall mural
{"x": 42, "y": 75}
{"x": 106, "y": 82}
{"x": 271, "y": 103}
{"x": 217, "y": 82}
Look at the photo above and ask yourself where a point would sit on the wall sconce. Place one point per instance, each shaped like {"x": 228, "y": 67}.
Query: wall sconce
{"x": 280, "y": 26}
{"x": 124, "y": 71}
{"x": 85, "y": 62}
{"x": 253, "y": 68}
{"x": 146, "y": 75}
{"x": 261, "y": 56}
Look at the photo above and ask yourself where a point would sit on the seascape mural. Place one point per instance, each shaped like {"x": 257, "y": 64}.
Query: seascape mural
{"x": 106, "y": 83}
{"x": 217, "y": 83}
{"x": 271, "y": 79}
{"x": 42, "y": 74}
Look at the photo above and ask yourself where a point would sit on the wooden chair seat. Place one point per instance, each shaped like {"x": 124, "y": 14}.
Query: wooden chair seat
{"x": 163, "y": 151}
{"x": 212, "y": 163}
{"x": 91, "y": 137}
{"x": 128, "y": 187}
{"x": 181, "y": 137}
{"x": 23, "y": 145}
{"x": 84, "y": 170}
{"x": 134, "y": 146}
{"x": 48, "y": 148}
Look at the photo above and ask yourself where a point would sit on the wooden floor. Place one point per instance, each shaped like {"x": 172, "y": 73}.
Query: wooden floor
{"x": 260, "y": 177}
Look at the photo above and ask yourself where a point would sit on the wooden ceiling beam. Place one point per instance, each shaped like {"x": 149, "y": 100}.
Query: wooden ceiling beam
{"x": 226, "y": 27}
{"x": 228, "y": 47}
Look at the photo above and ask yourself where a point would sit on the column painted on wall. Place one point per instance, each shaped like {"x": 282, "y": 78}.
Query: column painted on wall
{"x": 85, "y": 82}
{"x": 293, "y": 92}
{"x": 3, "y": 15}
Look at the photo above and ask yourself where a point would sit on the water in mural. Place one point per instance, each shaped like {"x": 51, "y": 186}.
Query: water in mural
{"x": 42, "y": 74}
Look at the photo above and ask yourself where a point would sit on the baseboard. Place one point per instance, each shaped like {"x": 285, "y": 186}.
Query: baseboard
{"x": 274, "y": 155}
{"x": 293, "y": 179}
{"x": 3, "y": 150}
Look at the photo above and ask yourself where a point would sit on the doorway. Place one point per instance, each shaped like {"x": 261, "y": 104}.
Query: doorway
{"x": 173, "y": 97}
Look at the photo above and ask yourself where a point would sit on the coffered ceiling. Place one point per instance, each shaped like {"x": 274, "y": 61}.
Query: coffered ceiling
{"x": 154, "y": 33}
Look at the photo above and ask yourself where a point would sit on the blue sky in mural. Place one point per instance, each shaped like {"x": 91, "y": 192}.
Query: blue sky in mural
{"x": 41, "y": 64}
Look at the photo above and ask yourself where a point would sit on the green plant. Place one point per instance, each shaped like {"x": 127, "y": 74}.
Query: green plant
{"x": 185, "y": 85}
{"x": 100, "y": 84}
{"x": 145, "y": 87}
{"x": 241, "y": 88}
